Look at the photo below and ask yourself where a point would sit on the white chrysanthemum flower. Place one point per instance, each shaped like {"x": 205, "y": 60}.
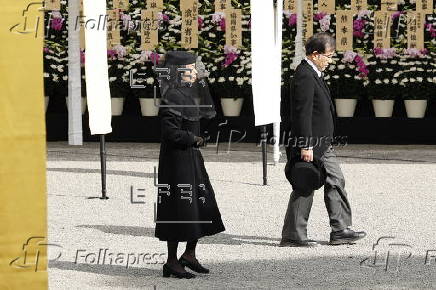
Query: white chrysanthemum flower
{"x": 397, "y": 74}
{"x": 46, "y": 75}
{"x": 347, "y": 76}
{"x": 212, "y": 35}
{"x": 341, "y": 66}
{"x": 419, "y": 79}
{"x": 413, "y": 69}
{"x": 53, "y": 66}
{"x": 150, "y": 81}
{"x": 240, "y": 81}
{"x": 386, "y": 81}
{"x": 119, "y": 66}
{"x": 419, "y": 69}
{"x": 377, "y": 81}
{"x": 221, "y": 79}
{"x": 335, "y": 77}
{"x": 394, "y": 81}
{"x": 389, "y": 69}
{"x": 405, "y": 80}
{"x": 214, "y": 68}
{"x": 65, "y": 78}
{"x": 231, "y": 78}
{"x": 379, "y": 70}
{"x": 112, "y": 79}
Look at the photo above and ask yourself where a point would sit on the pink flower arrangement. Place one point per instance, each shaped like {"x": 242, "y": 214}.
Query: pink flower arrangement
{"x": 323, "y": 19}
{"x": 148, "y": 55}
{"x": 319, "y": 16}
{"x": 231, "y": 55}
{"x": 361, "y": 66}
{"x": 384, "y": 53}
{"x": 57, "y": 22}
{"x": 112, "y": 54}
{"x": 219, "y": 19}
{"x": 127, "y": 21}
{"x": 358, "y": 27}
{"x": 351, "y": 56}
{"x": 162, "y": 17}
{"x": 200, "y": 21}
{"x": 120, "y": 51}
{"x": 363, "y": 13}
{"x": 414, "y": 52}
{"x": 292, "y": 19}
{"x": 429, "y": 27}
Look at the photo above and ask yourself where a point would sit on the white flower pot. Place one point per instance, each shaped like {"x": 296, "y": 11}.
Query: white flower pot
{"x": 83, "y": 104}
{"x": 46, "y": 99}
{"x": 232, "y": 107}
{"x": 117, "y": 106}
{"x": 148, "y": 107}
{"x": 383, "y": 108}
{"x": 415, "y": 108}
{"x": 345, "y": 107}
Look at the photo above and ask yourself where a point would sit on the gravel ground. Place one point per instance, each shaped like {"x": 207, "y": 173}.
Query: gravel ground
{"x": 391, "y": 191}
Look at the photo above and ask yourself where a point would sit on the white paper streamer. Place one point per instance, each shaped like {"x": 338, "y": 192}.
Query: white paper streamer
{"x": 266, "y": 61}
{"x": 96, "y": 67}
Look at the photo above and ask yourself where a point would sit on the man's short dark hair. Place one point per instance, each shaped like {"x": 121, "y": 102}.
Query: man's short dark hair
{"x": 320, "y": 42}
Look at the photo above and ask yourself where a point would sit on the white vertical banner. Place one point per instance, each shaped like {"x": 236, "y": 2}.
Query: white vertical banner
{"x": 96, "y": 67}
{"x": 75, "y": 134}
{"x": 266, "y": 49}
{"x": 278, "y": 42}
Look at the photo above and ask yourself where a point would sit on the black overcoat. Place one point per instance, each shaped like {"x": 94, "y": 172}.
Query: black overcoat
{"x": 187, "y": 209}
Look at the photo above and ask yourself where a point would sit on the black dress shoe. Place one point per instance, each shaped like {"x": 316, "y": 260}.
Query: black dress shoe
{"x": 194, "y": 266}
{"x": 168, "y": 271}
{"x": 298, "y": 243}
{"x": 346, "y": 236}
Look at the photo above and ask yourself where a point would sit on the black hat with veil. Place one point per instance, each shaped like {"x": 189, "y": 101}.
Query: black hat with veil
{"x": 189, "y": 100}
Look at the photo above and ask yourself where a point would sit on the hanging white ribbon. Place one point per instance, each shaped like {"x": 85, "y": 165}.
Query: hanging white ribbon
{"x": 266, "y": 50}
{"x": 96, "y": 67}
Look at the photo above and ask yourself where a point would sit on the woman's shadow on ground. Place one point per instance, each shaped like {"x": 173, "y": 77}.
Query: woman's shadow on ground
{"x": 221, "y": 238}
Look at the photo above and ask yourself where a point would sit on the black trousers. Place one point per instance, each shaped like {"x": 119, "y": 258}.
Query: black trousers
{"x": 335, "y": 198}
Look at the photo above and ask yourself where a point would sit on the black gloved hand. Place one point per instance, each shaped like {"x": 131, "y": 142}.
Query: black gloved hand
{"x": 199, "y": 141}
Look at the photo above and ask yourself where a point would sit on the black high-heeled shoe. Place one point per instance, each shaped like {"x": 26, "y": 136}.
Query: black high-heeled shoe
{"x": 197, "y": 267}
{"x": 168, "y": 271}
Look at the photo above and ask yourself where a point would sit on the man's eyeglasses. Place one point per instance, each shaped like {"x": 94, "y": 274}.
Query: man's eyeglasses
{"x": 330, "y": 55}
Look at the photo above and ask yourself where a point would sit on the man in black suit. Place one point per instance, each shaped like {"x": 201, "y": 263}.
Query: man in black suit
{"x": 309, "y": 114}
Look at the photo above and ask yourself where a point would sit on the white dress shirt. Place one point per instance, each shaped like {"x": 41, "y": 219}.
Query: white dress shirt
{"x": 313, "y": 66}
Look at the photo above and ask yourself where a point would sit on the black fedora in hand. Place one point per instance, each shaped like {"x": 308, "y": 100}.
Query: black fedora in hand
{"x": 305, "y": 176}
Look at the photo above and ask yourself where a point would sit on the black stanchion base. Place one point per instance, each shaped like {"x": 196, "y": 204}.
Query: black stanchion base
{"x": 99, "y": 197}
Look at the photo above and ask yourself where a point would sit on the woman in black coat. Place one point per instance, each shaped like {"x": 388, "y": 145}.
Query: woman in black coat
{"x": 186, "y": 207}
